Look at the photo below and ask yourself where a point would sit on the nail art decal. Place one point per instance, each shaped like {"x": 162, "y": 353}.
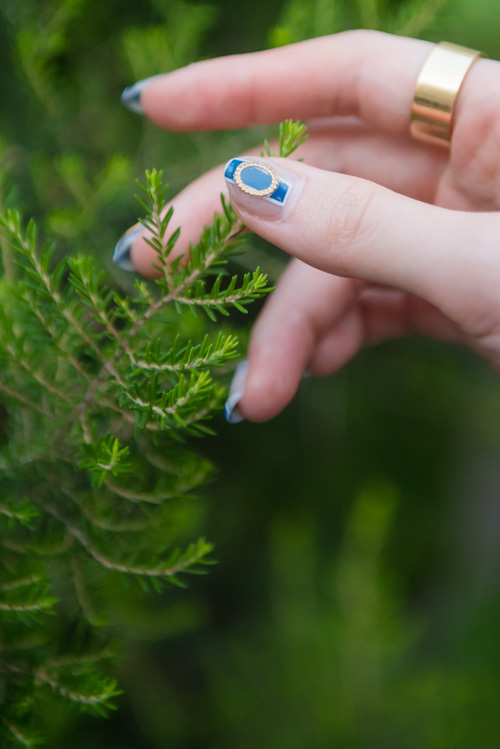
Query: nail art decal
{"x": 257, "y": 178}
{"x": 121, "y": 255}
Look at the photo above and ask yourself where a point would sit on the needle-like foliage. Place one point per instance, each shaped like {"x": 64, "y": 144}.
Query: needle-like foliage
{"x": 100, "y": 393}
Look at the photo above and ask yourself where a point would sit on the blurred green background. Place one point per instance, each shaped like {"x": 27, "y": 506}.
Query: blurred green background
{"x": 356, "y": 602}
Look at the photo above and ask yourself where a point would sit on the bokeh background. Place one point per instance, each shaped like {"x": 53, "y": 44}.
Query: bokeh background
{"x": 356, "y": 602}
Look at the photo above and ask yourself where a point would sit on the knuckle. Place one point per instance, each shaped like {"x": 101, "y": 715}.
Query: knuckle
{"x": 349, "y": 222}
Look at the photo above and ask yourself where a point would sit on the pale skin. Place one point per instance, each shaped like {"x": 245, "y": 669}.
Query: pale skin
{"x": 389, "y": 236}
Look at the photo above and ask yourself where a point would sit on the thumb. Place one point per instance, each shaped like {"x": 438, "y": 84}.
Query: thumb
{"x": 351, "y": 227}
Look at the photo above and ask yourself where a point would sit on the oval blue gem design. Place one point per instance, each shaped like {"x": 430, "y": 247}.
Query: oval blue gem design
{"x": 257, "y": 178}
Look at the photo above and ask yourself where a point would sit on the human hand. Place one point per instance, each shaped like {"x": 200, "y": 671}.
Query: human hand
{"x": 390, "y": 236}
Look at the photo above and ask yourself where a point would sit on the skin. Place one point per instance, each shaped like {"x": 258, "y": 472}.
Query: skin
{"x": 389, "y": 236}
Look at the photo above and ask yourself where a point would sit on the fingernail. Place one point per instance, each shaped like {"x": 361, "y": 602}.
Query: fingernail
{"x": 121, "y": 254}
{"x": 236, "y": 393}
{"x": 261, "y": 187}
{"x": 131, "y": 96}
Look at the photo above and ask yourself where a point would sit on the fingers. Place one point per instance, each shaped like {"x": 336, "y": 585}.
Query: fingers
{"x": 344, "y": 145}
{"x": 298, "y": 313}
{"x": 351, "y": 227}
{"x": 317, "y": 322}
{"x": 363, "y": 73}
{"x": 378, "y": 315}
{"x": 349, "y": 146}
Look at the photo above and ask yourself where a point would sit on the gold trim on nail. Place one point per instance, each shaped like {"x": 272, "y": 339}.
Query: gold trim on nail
{"x": 275, "y": 180}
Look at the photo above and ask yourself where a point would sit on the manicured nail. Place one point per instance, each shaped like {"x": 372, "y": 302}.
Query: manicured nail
{"x": 236, "y": 392}
{"x": 131, "y": 96}
{"x": 121, "y": 254}
{"x": 260, "y": 187}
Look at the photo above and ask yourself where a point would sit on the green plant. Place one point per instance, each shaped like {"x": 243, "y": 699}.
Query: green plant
{"x": 101, "y": 392}
{"x": 302, "y": 19}
{"x": 256, "y": 658}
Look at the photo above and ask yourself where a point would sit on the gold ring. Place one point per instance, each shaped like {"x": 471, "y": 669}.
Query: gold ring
{"x": 437, "y": 88}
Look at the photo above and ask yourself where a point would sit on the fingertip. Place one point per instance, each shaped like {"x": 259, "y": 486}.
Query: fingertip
{"x": 132, "y": 253}
{"x": 257, "y": 394}
{"x": 143, "y": 257}
{"x": 266, "y": 395}
{"x": 132, "y": 96}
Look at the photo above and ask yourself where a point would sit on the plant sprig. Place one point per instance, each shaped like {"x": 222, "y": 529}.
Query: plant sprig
{"x": 101, "y": 392}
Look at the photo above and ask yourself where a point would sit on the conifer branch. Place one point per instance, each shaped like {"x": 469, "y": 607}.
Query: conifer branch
{"x": 39, "y": 604}
{"x": 98, "y": 699}
{"x": 95, "y": 656}
{"x": 201, "y": 356}
{"x": 20, "y": 583}
{"x": 105, "y": 397}
{"x": 21, "y": 735}
{"x": 23, "y": 512}
{"x": 24, "y": 643}
{"x": 26, "y": 401}
{"x": 26, "y": 242}
{"x": 194, "y": 554}
{"x": 93, "y": 616}
{"x": 137, "y": 524}
{"x": 152, "y": 498}
{"x": 127, "y": 416}
{"x": 35, "y": 373}
{"x": 54, "y": 336}
{"x": 49, "y": 549}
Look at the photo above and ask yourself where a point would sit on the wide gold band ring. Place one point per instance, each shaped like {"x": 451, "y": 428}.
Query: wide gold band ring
{"x": 437, "y": 88}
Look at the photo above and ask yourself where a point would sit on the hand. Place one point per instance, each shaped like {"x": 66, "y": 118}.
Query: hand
{"x": 389, "y": 236}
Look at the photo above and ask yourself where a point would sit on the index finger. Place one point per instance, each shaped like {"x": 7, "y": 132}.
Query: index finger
{"x": 368, "y": 74}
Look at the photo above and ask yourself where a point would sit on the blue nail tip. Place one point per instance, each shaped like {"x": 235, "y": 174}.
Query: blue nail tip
{"x": 231, "y": 413}
{"x": 131, "y": 96}
{"x": 121, "y": 254}
{"x": 256, "y": 178}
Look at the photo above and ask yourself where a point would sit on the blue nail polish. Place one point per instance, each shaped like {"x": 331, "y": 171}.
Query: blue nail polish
{"x": 231, "y": 413}
{"x": 131, "y": 96}
{"x": 121, "y": 254}
{"x": 236, "y": 392}
{"x": 258, "y": 179}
